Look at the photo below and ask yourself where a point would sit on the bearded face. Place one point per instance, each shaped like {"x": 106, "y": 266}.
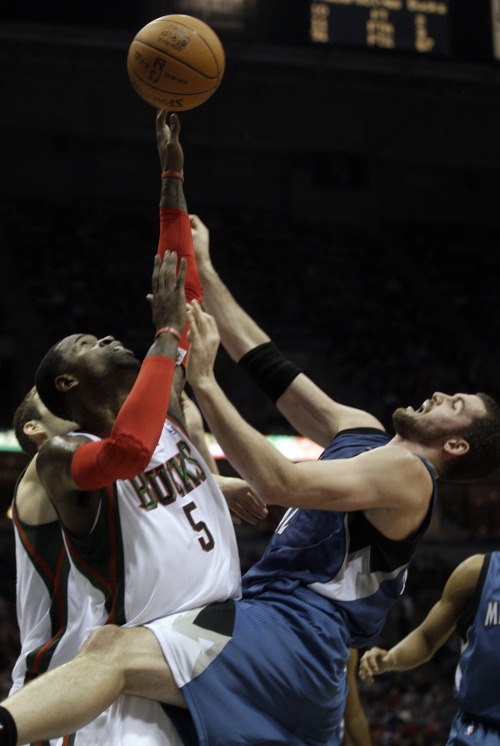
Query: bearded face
{"x": 417, "y": 427}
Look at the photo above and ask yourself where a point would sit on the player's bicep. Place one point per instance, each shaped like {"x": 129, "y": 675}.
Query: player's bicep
{"x": 382, "y": 478}
{"x": 437, "y": 627}
{"x": 442, "y": 619}
{"x": 327, "y": 485}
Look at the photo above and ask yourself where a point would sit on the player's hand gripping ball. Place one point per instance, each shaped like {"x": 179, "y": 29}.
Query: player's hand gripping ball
{"x": 176, "y": 62}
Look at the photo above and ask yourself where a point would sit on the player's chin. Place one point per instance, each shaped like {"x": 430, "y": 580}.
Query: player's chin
{"x": 126, "y": 361}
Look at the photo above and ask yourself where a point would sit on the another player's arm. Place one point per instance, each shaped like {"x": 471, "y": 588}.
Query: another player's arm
{"x": 74, "y": 469}
{"x": 422, "y": 643}
{"x": 196, "y": 431}
{"x": 389, "y": 477}
{"x": 300, "y": 401}
{"x": 357, "y": 730}
{"x": 242, "y": 503}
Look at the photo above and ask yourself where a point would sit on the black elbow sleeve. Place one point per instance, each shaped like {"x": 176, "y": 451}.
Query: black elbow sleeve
{"x": 267, "y": 367}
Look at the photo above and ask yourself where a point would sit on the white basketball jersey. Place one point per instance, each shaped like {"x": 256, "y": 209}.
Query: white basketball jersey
{"x": 53, "y": 611}
{"x": 55, "y": 617}
{"x": 163, "y": 541}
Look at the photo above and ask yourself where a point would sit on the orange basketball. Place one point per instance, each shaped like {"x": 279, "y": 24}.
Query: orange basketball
{"x": 176, "y": 62}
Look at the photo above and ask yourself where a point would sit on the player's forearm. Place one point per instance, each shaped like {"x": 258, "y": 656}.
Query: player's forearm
{"x": 414, "y": 650}
{"x": 238, "y": 331}
{"x": 172, "y": 193}
{"x": 259, "y": 463}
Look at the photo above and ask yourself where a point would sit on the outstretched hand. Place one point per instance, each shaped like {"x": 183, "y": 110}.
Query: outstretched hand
{"x": 374, "y": 662}
{"x": 204, "y": 340}
{"x": 168, "y": 299}
{"x": 167, "y": 141}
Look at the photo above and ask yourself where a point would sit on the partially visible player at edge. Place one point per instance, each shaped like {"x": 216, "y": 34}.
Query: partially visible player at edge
{"x": 469, "y": 603}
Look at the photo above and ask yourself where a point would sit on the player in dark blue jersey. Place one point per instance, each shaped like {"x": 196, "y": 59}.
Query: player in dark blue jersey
{"x": 470, "y": 603}
{"x": 270, "y": 668}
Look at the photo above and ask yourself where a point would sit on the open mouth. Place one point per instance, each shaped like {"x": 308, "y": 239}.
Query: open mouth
{"x": 424, "y": 407}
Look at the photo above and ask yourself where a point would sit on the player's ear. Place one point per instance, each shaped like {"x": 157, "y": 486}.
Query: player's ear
{"x": 32, "y": 427}
{"x": 35, "y": 430}
{"x": 456, "y": 447}
{"x": 66, "y": 382}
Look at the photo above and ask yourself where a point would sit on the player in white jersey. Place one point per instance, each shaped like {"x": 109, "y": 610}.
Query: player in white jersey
{"x": 163, "y": 539}
{"x": 144, "y": 520}
{"x": 53, "y": 610}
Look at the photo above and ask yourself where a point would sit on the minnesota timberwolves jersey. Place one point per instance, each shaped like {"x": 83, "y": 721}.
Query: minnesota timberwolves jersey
{"x": 478, "y": 670}
{"x": 340, "y": 556}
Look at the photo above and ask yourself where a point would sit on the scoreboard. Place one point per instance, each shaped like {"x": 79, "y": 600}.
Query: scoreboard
{"x": 421, "y": 26}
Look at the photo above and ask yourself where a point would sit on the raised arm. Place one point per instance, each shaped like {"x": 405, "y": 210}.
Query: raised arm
{"x": 175, "y": 228}
{"x": 243, "y": 504}
{"x": 311, "y": 412}
{"x": 390, "y": 478}
{"x": 422, "y": 643}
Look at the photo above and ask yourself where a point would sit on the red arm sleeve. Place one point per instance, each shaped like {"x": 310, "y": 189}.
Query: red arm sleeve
{"x": 135, "y": 434}
{"x": 175, "y": 235}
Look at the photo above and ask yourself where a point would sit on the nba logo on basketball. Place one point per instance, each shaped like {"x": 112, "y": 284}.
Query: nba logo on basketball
{"x": 156, "y": 70}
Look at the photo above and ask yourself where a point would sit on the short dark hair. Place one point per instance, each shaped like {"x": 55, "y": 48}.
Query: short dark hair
{"x": 26, "y": 411}
{"x": 483, "y": 437}
{"x": 45, "y": 382}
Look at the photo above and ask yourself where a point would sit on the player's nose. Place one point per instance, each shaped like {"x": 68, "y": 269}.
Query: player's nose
{"x": 439, "y": 397}
{"x": 105, "y": 341}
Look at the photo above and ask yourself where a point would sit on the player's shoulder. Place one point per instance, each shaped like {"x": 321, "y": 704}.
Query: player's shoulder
{"x": 32, "y": 504}
{"x": 464, "y": 579}
{"x": 469, "y": 569}
{"x": 54, "y": 460}
{"x": 405, "y": 481}
{"x": 58, "y": 447}
{"x": 399, "y": 459}
{"x": 27, "y": 481}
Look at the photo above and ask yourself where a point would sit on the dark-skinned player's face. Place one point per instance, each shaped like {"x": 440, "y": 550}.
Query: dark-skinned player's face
{"x": 87, "y": 354}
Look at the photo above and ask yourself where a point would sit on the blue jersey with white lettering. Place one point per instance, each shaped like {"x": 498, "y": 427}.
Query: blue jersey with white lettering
{"x": 340, "y": 556}
{"x": 478, "y": 670}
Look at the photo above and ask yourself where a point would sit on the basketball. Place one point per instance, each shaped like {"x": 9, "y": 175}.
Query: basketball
{"x": 176, "y": 62}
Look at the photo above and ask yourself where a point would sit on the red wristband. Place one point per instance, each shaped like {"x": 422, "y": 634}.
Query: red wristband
{"x": 168, "y": 330}
{"x": 173, "y": 174}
